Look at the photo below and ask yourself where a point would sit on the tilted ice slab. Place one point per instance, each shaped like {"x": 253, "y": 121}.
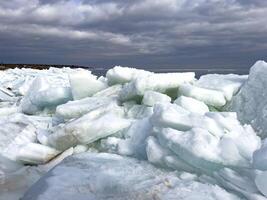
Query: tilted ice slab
{"x": 121, "y": 75}
{"x": 75, "y": 109}
{"x": 162, "y": 82}
{"x": 133, "y": 142}
{"x": 87, "y": 129}
{"x": 118, "y": 178}
{"x": 251, "y": 103}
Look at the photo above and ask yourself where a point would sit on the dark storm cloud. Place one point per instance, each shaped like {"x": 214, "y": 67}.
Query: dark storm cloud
{"x": 160, "y": 33}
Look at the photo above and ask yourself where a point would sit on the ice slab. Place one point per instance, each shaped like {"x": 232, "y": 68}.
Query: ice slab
{"x": 229, "y": 84}
{"x": 42, "y": 95}
{"x": 75, "y": 109}
{"x": 84, "y": 84}
{"x": 260, "y": 157}
{"x": 192, "y": 105}
{"x": 118, "y": 178}
{"x": 34, "y": 153}
{"x": 261, "y": 182}
{"x": 250, "y": 103}
{"x": 161, "y": 82}
{"x": 87, "y": 129}
{"x": 150, "y": 98}
{"x": 134, "y": 143}
{"x": 211, "y": 97}
{"x": 121, "y": 75}
{"x": 218, "y": 138}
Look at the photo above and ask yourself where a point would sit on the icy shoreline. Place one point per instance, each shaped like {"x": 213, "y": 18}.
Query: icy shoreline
{"x": 190, "y": 138}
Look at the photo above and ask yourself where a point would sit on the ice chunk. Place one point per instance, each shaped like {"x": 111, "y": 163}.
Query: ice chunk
{"x": 171, "y": 115}
{"x": 118, "y": 178}
{"x": 84, "y": 84}
{"x": 8, "y": 110}
{"x": 260, "y": 157}
{"x": 75, "y": 109}
{"x": 33, "y": 153}
{"x": 192, "y": 105}
{"x": 135, "y": 142}
{"x": 229, "y": 84}
{"x": 139, "y": 111}
{"x": 164, "y": 158}
{"x": 121, "y": 75}
{"x": 87, "y": 129}
{"x": 207, "y": 152}
{"x": 25, "y": 136}
{"x": 112, "y": 91}
{"x": 151, "y": 98}
{"x": 162, "y": 82}
{"x": 80, "y": 148}
{"x": 216, "y": 137}
{"x": 42, "y": 95}
{"x": 208, "y": 96}
{"x": 251, "y": 103}
{"x": 261, "y": 182}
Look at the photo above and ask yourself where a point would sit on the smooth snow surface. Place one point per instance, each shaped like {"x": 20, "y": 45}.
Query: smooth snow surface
{"x": 133, "y": 134}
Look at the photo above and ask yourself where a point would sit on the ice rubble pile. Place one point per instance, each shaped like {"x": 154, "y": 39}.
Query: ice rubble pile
{"x": 184, "y": 127}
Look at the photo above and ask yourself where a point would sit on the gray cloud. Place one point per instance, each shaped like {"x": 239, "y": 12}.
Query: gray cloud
{"x": 152, "y": 33}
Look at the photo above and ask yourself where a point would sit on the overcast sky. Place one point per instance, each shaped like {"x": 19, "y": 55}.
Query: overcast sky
{"x": 141, "y": 33}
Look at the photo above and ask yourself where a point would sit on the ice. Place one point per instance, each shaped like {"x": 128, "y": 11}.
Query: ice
{"x": 250, "y": 103}
{"x": 15, "y": 179}
{"x": 208, "y": 96}
{"x": 84, "y": 84}
{"x": 41, "y": 95}
{"x": 33, "y": 153}
{"x": 229, "y": 84}
{"x": 8, "y": 110}
{"x": 87, "y": 129}
{"x": 25, "y": 135}
{"x": 162, "y": 82}
{"x": 260, "y": 157}
{"x": 192, "y": 105}
{"x": 184, "y": 135}
{"x": 75, "y": 109}
{"x": 139, "y": 111}
{"x": 121, "y": 75}
{"x": 151, "y": 98}
{"x": 118, "y": 178}
{"x": 112, "y": 91}
{"x": 261, "y": 182}
{"x": 135, "y": 142}
{"x": 171, "y": 115}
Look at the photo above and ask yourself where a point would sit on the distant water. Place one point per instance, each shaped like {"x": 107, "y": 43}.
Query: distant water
{"x": 199, "y": 72}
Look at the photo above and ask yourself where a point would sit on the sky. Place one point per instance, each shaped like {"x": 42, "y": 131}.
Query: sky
{"x": 143, "y": 33}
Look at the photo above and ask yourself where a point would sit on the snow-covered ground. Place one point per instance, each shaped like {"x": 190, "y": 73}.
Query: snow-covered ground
{"x": 132, "y": 134}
